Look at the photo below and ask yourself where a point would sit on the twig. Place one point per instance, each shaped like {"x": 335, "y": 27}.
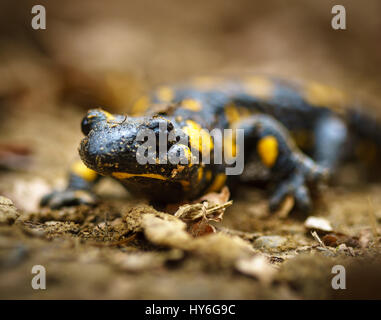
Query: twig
{"x": 114, "y": 243}
{"x": 316, "y": 237}
{"x": 196, "y": 211}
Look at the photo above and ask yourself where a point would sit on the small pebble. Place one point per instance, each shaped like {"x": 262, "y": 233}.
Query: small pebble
{"x": 317, "y": 223}
{"x": 8, "y": 212}
{"x": 269, "y": 242}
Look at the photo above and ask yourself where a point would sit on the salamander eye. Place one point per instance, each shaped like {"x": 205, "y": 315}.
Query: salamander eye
{"x": 93, "y": 117}
{"x": 86, "y": 125}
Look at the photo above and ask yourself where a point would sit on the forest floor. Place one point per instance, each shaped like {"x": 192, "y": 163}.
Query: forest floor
{"x": 125, "y": 249}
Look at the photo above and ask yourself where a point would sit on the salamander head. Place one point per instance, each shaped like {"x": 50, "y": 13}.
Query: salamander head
{"x": 128, "y": 149}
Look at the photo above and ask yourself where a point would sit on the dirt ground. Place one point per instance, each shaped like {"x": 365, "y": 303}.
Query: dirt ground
{"x": 125, "y": 249}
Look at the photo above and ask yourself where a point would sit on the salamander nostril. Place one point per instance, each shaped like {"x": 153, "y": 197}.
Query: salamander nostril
{"x": 170, "y": 126}
{"x": 159, "y": 123}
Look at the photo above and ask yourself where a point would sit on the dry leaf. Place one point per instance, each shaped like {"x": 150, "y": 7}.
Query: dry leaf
{"x": 191, "y": 211}
{"x": 15, "y": 157}
{"x": 318, "y": 224}
{"x": 216, "y": 198}
{"x": 366, "y": 236}
{"x": 165, "y": 232}
{"x": 221, "y": 248}
{"x": 337, "y": 238}
{"x": 330, "y": 240}
{"x": 27, "y": 194}
{"x": 258, "y": 267}
{"x": 198, "y": 215}
{"x": 201, "y": 228}
{"x": 217, "y": 247}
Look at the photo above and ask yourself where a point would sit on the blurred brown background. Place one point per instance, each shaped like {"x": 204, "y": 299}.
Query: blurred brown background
{"x": 103, "y": 52}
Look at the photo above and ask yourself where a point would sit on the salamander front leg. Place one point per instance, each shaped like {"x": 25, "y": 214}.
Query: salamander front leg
{"x": 290, "y": 169}
{"x": 78, "y": 191}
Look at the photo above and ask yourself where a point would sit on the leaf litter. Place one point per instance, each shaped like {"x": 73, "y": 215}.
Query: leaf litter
{"x": 133, "y": 237}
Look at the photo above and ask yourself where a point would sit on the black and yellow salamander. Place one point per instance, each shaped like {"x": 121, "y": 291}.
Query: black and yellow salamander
{"x": 296, "y": 133}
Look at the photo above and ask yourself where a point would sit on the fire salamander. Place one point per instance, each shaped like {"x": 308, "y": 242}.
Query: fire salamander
{"x": 295, "y": 133}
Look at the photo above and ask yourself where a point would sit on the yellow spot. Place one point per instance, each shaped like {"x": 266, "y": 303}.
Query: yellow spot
{"x": 208, "y": 175}
{"x": 187, "y": 154}
{"x": 200, "y": 173}
{"x": 230, "y": 147}
{"x": 141, "y": 105}
{"x": 79, "y": 169}
{"x": 199, "y": 138}
{"x": 267, "y": 149}
{"x": 165, "y": 94}
{"x": 232, "y": 113}
{"x": 258, "y": 86}
{"x": 218, "y": 183}
{"x": 191, "y": 104}
{"x": 108, "y": 115}
{"x": 320, "y": 95}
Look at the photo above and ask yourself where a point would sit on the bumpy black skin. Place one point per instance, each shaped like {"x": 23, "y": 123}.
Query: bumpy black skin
{"x": 272, "y": 107}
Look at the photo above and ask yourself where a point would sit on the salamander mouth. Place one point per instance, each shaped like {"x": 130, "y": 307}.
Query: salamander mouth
{"x": 158, "y": 187}
{"x": 143, "y": 177}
